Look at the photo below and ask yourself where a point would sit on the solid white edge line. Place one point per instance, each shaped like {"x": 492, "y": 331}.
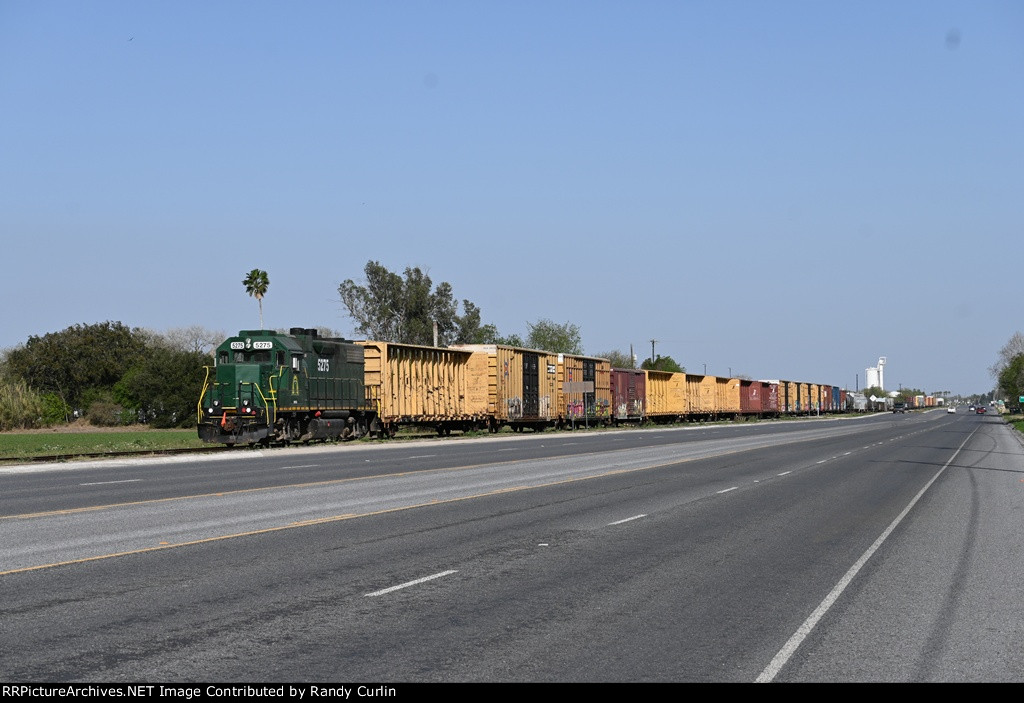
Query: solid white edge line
{"x": 104, "y": 483}
{"x": 728, "y": 489}
{"x": 411, "y": 583}
{"x": 635, "y": 517}
{"x": 787, "y": 651}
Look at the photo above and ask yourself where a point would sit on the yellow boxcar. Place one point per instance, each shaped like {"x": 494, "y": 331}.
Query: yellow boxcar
{"x": 727, "y": 396}
{"x": 814, "y": 397}
{"x": 415, "y": 385}
{"x": 584, "y": 389}
{"x": 701, "y": 392}
{"x": 666, "y": 396}
{"x": 803, "y": 397}
{"x": 791, "y": 397}
{"x": 520, "y": 385}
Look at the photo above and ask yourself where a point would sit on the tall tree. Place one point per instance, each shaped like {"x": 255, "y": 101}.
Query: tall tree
{"x": 375, "y": 307}
{"x": 619, "y": 359}
{"x": 553, "y": 337}
{"x": 663, "y": 363}
{"x": 1011, "y": 380}
{"x": 194, "y": 338}
{"x": 393, "y": 308}
{"x": 1013, "y": 348}
{"x": 256, "y": 284}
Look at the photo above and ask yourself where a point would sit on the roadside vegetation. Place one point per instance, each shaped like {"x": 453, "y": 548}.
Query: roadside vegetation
{"x": 27, "y": 445}
{"x": 108, "y": 373}
{"x": 1008, "y": 370}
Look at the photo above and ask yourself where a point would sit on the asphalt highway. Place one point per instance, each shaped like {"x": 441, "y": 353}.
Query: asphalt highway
{"x": 877, "y": 549}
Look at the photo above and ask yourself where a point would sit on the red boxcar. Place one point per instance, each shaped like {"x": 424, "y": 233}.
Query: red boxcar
{"x": 629, "y": 391}
{"x": 759, "y": 398}
{"x": 750, "y": 397}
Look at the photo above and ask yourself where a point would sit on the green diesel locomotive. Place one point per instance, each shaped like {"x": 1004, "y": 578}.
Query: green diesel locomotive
{"x": 269, "y": 387}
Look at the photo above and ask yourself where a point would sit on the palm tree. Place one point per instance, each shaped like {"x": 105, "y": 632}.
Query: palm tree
{"x": 256, "y": 284}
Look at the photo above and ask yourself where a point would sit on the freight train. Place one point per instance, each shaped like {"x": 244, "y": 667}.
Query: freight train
{"x": 267, "y": 387}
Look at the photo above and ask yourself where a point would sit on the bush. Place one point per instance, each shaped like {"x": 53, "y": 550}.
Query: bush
{"x": 20, "y": 406}
{"x": 104, "y": 413}
{"x": 55, "y": 410}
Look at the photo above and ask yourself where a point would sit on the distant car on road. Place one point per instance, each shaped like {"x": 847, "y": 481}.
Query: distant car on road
{"x": 980, "y": 410}
{"x": 899, "y": 408}
{"x": 951, "y": 409}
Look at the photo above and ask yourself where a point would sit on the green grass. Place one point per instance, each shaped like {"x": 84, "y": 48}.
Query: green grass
{"x": 23, "y": 446}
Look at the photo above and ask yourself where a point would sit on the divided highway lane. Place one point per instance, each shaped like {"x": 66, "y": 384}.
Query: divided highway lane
{"x": 697, "y": 562}
{"x": 366, "y": 482}
{"x": 34, "y": 488}
{"x": 942, "y": 601}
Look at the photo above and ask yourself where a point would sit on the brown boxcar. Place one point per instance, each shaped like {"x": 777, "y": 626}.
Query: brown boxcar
{"x": 759, "y": 398}
{"x": 770, "y": 397}
{"x": 750, "y": 397}
{"x": 521, "y": 384}
{"x": 414, "y": 385}
{"x": 629, "y": 394}
{"x": 584, "y": 385}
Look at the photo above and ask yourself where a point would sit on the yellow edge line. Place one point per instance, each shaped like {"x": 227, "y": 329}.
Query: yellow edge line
{"x": 328, "y": 482}
{"x": 348, "y": 516}
{"x": 220, "y": 494}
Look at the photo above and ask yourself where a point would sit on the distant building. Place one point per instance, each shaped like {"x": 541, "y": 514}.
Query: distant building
{"x": 875, "y": 375}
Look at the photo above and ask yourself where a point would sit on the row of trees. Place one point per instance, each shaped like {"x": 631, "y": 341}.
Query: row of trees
{"x": 405, "y": 309}
{"x": 107, "y": 372}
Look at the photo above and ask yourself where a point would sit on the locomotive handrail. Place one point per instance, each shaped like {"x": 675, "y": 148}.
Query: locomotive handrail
{"x": 199, "y": 405}
{"x": 270, "y": 380}
{"x": 271, "y": 407}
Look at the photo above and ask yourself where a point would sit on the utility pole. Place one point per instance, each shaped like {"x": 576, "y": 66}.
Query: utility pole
{"x": 652, "y": 352}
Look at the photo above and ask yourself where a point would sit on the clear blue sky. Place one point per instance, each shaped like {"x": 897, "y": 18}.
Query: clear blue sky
{"x": 786, "y": 189}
